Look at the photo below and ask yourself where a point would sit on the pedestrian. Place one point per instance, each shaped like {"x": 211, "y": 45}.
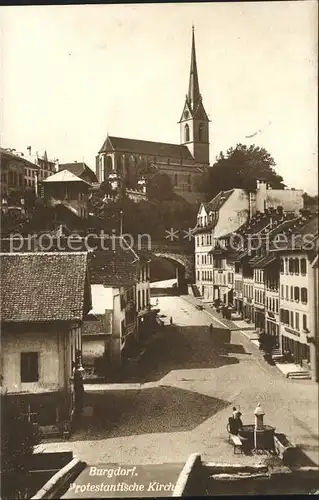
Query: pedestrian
{"x": 78, "y": 388}
{"x": 210, "y": 328}
{"x": 235, "y": 411}
{"x": 171, "y": 320}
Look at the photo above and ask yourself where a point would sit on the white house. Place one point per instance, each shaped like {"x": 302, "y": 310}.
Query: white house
{"x": 44, "y": 297}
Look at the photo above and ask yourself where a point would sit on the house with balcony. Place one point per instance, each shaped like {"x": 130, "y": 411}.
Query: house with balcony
{"x": 44, "y": 299}
{"x": 120, "y": 268}
{"x": 65, "y": 188}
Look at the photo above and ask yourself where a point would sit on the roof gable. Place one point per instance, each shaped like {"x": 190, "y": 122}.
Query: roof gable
{"x": 43, "y": 287}
{"x": 63, "y": 176}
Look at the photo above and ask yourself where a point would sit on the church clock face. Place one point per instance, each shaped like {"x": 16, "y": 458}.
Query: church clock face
{"x": 186, "y": 114}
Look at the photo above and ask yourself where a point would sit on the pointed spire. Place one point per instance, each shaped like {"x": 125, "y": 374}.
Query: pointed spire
{"x": 193, "y": 89}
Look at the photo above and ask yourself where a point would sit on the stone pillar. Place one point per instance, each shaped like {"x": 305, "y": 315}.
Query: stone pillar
{"x": 259, "y": 425}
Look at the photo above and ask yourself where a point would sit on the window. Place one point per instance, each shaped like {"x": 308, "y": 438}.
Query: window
{"x": 277, "y": 306}
{"x": 286, "y": 265}
{"x": 297, "y": 321}
{"x": 297, "y": 295}
{"x": 282, "y": 266}
{"x": 139, "y": 300}
{"x": 198, "y": 275}
{"x": 282, "y": 294}
{"x": 292, "y": 319}
{"x": 304, "y": 322}
{"x": 291, "y": 268}
{"x": 291, "y": 293}
{"x": 287, "y": 292}
{"x": 296, "y": 266}
{"x": 304, "y": 295}
{"x": 186, "y": 133}
{"x": 303, "y": 266}
{"x": 29, "y": 366}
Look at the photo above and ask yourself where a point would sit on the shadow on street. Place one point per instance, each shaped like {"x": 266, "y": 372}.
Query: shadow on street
{"x": 182, "y": 348}
{"x": 144, "y": 411}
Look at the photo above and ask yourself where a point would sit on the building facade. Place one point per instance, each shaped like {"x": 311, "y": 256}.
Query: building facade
{"x": 44, "y": 298}
{"x": 69, "y": 190}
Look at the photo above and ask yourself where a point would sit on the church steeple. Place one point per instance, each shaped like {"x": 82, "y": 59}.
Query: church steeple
{"x": 194, "y": 122}
{"x": 193, "y": 95}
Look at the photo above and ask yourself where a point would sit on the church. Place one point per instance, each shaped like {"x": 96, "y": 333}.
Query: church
{"x": 184, "y": 163}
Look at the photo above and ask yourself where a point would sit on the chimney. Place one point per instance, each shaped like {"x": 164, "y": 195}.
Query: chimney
{"x": 251, "y": 204}
{"x": 29, "y": 149}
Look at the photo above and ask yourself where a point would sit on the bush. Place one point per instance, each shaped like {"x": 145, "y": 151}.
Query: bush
{"x": 18, "y": 439}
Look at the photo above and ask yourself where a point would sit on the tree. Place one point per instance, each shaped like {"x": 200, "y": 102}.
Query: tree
{"x": 240, "y": 167}
{"x": 310, "y": 201}
{"x": 18, "y": 438}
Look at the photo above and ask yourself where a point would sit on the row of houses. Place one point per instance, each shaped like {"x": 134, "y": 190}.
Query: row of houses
{"x": 24, "y": 175}
{"x": 62, "y": 310}
{"x": 263, "y": 263}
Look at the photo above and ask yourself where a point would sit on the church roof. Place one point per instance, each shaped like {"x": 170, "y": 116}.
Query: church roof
{"x": 150, "y": 148}
{"x": 193, "y": 87}
{"x": 63, "y": 176}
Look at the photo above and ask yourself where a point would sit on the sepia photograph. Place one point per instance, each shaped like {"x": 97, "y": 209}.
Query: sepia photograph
{"x": 159, "y": 250}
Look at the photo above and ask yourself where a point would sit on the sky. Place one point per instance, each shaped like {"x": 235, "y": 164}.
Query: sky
{"x": 72, "y": 74}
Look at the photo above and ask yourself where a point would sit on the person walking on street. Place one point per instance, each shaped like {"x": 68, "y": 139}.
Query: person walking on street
{"x": 171, "y": 320}
{"x": 211, "y": 329}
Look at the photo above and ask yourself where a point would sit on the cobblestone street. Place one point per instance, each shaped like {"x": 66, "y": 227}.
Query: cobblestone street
{"x": 179, "y": 401}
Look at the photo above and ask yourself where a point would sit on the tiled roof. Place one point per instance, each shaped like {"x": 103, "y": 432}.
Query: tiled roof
{"x": 4, "y": 154}
{"x": 300, "y": 238}
{"x": 43, "y": 287}
{"x": 150, "y": 148}
{"x": 78, "y": 169}
{"x": 116, "y": 266}
{"x": 63, "y": 176}
{"x": 93, "y": 324}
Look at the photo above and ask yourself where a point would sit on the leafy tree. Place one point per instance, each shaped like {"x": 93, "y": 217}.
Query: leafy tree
{"x": 240, "y": 167}
{"x": 310, "y": 201}
{"x": 18, "y": 438}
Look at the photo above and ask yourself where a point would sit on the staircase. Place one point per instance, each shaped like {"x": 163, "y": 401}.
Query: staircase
{"x": 301, "y": 375}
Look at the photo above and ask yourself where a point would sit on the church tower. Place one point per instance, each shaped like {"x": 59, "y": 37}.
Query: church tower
{"x": 194, "y": 122}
